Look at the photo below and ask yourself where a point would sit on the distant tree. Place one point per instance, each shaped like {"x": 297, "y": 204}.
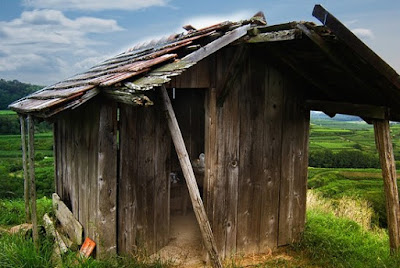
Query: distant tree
{"x": 11, "y": 91}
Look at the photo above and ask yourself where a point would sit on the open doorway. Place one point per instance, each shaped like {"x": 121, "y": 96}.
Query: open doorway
{"x": 185, "y": 244}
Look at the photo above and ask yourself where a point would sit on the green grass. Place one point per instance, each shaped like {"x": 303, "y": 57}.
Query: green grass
{"x": 7, "y": 112}
{"x": 13, "y": 211}
{"x": 18, "y": 251}
{"x": 329, "y": 241}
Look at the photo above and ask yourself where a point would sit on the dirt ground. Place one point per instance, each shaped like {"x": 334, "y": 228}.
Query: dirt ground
{"x": 185, "y": 246}
{"x": 185, "y": 249}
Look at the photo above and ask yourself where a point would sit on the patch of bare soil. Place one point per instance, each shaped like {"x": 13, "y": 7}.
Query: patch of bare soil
{"x": 185, "y": 248}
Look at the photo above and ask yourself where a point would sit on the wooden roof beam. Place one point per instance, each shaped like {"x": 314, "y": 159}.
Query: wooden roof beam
{"x": 352, "y": 41}
{"x": 335, "y": 57}
{"x": 302, "y": 70}
{"x": 283, "y": 35}
{"x": 362, "y": 110}
{"x": 231, "y": 75}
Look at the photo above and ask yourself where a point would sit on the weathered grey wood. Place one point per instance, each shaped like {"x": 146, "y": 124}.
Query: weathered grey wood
{"x": 31, "y": 152}
{"x": 107, "y": 180}
{"x": 197, "y": 76}
{"x": 283, "y": 35}
{"x": 92, "y": 141}
{"x": 386, "y": 157}
{"x": 231, "y": 164}
{"x": 161, "y": 179}
{"x": 127, "y": 202}
{"x": 145, "y": 179}
{"x": 216, "y": 45}
{"x": 362, "y": 110}
{"x": 211, "y": 151}
{"x": 231, "y": 75}
{"x": 138, "y": 99}
{"x": 251, "y": 161}
{"x": 67, "y": 220}
{"x": 60, "y": 246}
{"x": 25, "y": 169}
{"x": 293, "y": 172}
{"x": 271, "y": 180}
{"x": 187, "y": 170}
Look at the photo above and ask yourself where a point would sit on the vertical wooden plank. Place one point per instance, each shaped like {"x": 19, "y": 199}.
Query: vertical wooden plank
{"x": 301, "y": 166}
{"x": 145, "y": 179}
{"x": 231, "y": 126}
{"x": 210, "y": 175}
{"x": 251, "y": 161}
{"x": 107, "y": 179}
{"x": 31, "y": 152}
{"x": 161, "y": 179}
{"x": 293, "y": 183}
{"x": 90, "y": 173}
{"x": 127, "y": 204}
{"x": 219, "y": 184}
{"x": 388, "y": 165}
{"x": 25, "y": 169}
{"x": 273, "y": 110}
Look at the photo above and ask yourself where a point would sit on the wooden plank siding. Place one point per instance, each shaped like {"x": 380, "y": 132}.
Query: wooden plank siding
{"x": 143, "y": 210}
{"x": 86, "y": 175}
{"x": 257, "y": 165}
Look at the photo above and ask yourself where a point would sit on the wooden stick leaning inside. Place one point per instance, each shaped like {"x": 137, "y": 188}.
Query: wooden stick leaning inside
{"x": 386, "y": 157}
{"x": 31, "y": 151}
{"x": 188, "y": 173}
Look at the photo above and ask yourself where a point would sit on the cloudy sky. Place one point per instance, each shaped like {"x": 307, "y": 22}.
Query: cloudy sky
{"x": 44, "y": 41}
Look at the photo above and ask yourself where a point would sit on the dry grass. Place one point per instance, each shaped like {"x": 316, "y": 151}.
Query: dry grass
{"x": 357, "y": 210}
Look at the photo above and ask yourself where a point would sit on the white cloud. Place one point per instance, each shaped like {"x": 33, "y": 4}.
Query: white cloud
{"x": 363, "y": 33}
{"x": 211, "y": 19}
{"x": 94, "y": 4}
{"x": 47, "y": 40}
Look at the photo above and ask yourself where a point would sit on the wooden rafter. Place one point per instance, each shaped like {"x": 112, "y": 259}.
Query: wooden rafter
{"x": 231, "y": 75}
{"x": 336, "y": 58}
{"x": 302, "y": 70}
{"x": 352, "y": 41}
{"x": 362, "y": 110}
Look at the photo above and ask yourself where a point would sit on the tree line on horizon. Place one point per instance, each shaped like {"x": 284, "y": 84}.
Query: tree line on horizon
{"x": 13, "y": 90}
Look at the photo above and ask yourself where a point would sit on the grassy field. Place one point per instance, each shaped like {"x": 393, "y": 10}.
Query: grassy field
{"x": 346, "y": 212}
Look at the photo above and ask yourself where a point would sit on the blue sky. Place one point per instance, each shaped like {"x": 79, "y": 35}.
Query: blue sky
{"x": 45, "y": 41}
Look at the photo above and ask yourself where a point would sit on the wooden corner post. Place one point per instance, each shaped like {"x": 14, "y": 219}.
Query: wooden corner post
{"x": 187, "y": 169}
{"x": 31, "y": 152}
{"x": 25, "y": 169}
{"x": 386, "y": 156}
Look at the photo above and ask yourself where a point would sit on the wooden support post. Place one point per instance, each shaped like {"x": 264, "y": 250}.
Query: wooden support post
{"x": 187, "y": 169}
{"x": 31, "y": 151}
{"x": 25, "y": 168}
{"x": 385, "y": 149}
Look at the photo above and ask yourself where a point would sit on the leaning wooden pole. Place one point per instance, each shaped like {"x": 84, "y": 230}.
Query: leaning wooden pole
{"x": 187, "y": 169}
{"x": 25, "y": 168}
{"x": 385, "y": 149}
{"x": 31, "y": 151}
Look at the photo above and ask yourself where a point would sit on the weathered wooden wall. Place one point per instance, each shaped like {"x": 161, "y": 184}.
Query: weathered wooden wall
{"x": 143, "y": 211}
{"x": 86, "y": 168}
{"x": 256, "y": 157}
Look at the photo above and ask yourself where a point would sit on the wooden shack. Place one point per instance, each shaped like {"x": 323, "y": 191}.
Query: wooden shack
{"x": 241, "y": 93}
